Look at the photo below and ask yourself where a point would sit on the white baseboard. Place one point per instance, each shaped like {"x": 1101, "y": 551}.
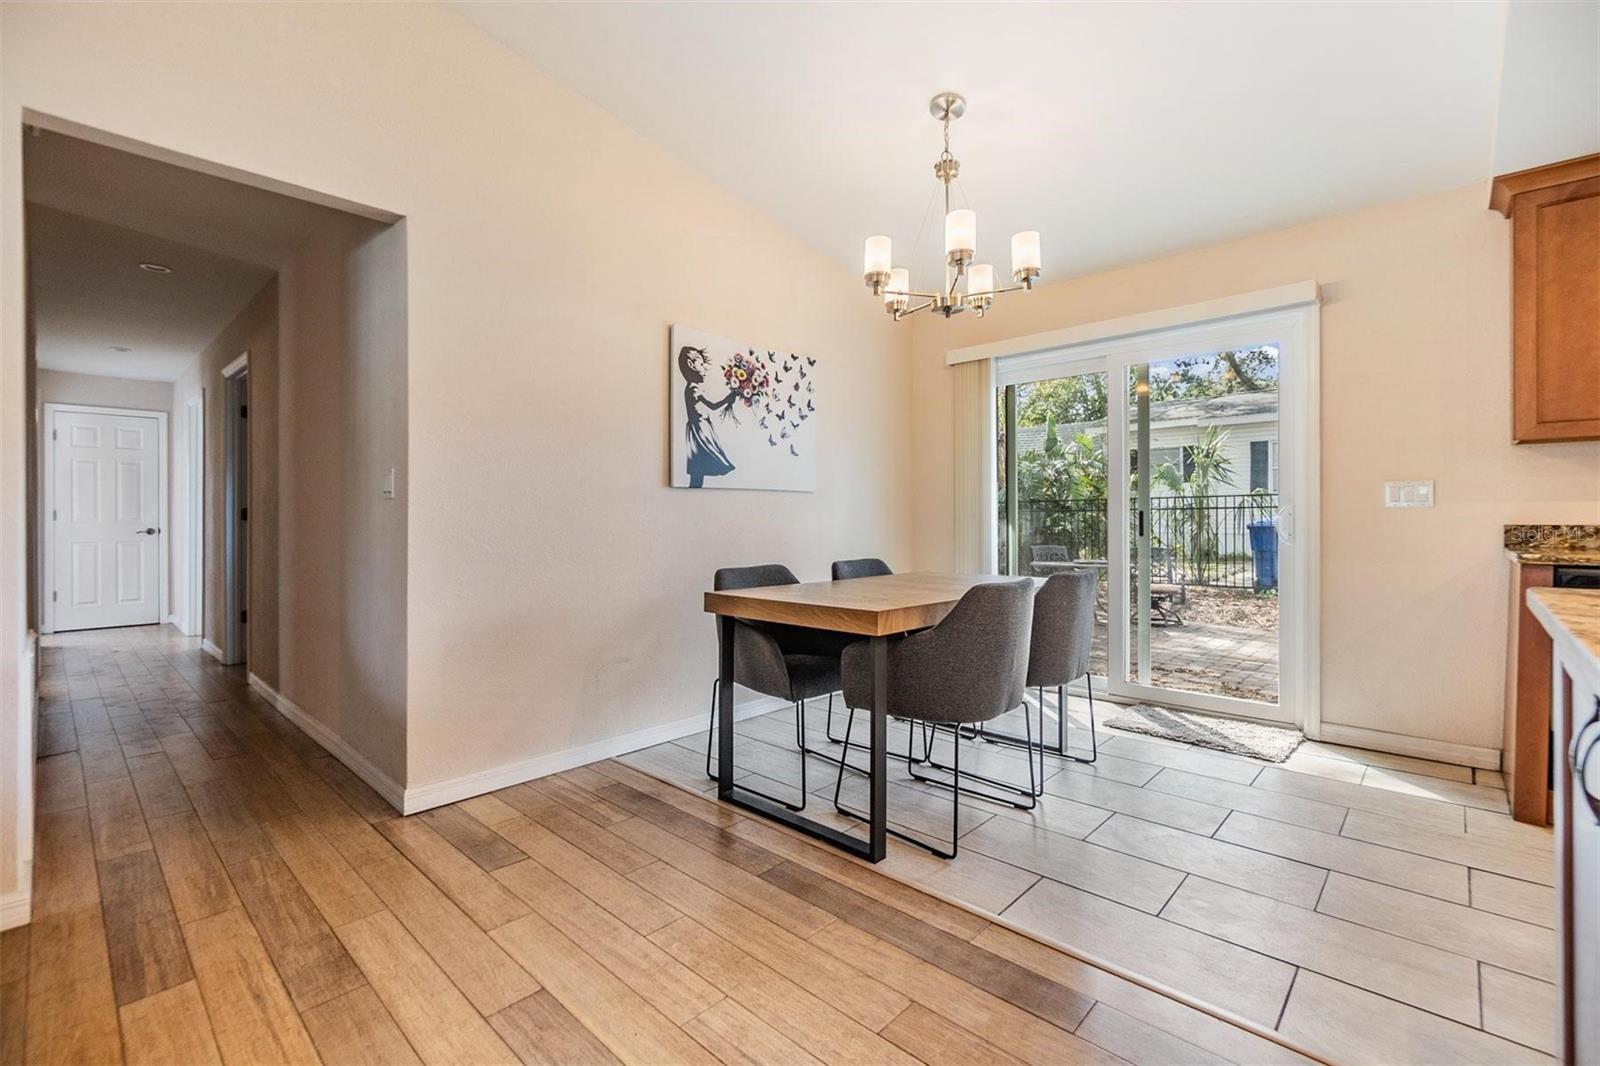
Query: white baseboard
{"x": 212, "y": 650}
{"x": 424, "y": 797}
{"x": 16, "y": 908}
{"x": 334, "y": 744}
{"x": 1416, "y": 747}
{"x": 451, "y": 790}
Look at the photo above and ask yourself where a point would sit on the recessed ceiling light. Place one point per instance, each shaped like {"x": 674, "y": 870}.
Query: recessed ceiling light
{"x": 155, "y": 268}
{"x": 120, "y": 348}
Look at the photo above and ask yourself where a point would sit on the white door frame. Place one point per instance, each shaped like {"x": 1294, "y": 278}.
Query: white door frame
{"x": 195, "y": 521}
{"x": 1290, "y": 315}
{"x": 47, "y": 586}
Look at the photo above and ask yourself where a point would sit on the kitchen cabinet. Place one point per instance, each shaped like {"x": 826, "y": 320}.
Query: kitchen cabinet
{"x": 1555, "y": 298}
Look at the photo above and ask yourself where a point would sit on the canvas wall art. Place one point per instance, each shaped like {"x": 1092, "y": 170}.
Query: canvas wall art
{"x": 743, "y": 416}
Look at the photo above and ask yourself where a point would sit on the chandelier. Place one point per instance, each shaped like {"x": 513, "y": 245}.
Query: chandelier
{"x": 893, "y": 283}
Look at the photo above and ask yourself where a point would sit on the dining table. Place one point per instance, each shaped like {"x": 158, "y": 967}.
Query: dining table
{"x": 875, "y": 609}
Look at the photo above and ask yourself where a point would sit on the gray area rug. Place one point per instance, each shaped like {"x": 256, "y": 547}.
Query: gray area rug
{"x": 1273, "y": 743}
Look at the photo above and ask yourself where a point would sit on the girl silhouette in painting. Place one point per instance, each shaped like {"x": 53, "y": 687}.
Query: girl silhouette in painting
{"x": 706, "y": 457}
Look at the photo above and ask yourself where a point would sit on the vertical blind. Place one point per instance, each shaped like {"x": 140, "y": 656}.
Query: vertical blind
{"x": 975, "y": 459}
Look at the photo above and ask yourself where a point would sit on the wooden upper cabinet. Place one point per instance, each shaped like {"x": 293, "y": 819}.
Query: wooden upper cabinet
{"x": 1555, "y": 298}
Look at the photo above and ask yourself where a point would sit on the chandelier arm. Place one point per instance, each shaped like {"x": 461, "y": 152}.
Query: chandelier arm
{"x": 898, "y": 315}
{"x": 999, "y": 292}
{"x": 961, "y": 269}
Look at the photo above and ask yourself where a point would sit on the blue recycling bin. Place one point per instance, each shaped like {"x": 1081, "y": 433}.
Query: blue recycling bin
{"x": 1264, "y": 551}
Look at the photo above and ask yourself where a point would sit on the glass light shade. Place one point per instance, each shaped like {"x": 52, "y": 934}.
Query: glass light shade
{"x": 899, "y": 282}
{"x": 1025, "y": 251}
{"x": 980, "y": 279}
{"x": 877, "y": 256}
{"x": 961, "y": 231}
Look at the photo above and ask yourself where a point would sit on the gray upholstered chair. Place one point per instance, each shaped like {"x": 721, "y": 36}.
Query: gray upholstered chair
{"x": 789, "y": 662}
{"x": 1063, "y": 632}
{"x": 845, "y": 569}
{"x": 970, "y": 668}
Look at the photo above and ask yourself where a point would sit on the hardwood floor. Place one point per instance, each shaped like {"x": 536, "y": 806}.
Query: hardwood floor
{"x": 1374, "y": 907}
{"x": 211, "y": 887}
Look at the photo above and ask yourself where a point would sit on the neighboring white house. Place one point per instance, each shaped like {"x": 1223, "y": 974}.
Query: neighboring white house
{"x": 1250, "y": 420}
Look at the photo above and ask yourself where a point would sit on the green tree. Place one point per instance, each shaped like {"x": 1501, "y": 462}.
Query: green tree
{"x": 1192, "y": 526}
{"x": 1199, "y": 377}
{"x": 1070, "y": 473}
{"x": 1066, "y": 401}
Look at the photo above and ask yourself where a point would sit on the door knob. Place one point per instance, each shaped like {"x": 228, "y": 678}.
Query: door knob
{"x": 149, "y": 531}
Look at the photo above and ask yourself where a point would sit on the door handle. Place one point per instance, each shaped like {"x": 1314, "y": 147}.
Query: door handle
{"x": 1578, "y": 753}
{"x": 149, "y": 531}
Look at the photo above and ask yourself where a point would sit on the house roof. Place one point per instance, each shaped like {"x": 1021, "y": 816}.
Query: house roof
{"x": 1232, "y": 407}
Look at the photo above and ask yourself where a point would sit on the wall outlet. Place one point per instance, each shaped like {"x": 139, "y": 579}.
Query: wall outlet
{"x": 1408, "y": 494}
{"x": 388, "y": 485}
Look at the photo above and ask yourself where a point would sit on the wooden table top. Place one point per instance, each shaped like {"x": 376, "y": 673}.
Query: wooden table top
{"x": 869, "y": 606}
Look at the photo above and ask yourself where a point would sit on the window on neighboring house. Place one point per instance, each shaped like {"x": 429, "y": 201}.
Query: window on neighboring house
{"x": 1264, "y": 465}
{"x": 1179, "y": 458}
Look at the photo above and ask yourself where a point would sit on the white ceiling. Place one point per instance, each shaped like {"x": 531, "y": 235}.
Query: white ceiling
{"x": 90, "y": 295}
{"x": 95, "y": 213}
{"x": 1120, "y": 131}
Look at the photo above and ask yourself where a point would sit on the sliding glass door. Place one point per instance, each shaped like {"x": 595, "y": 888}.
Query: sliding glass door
{"x": 1157, "y": 462}
{"x": 1053, "y": 484}
{"x": 1202, "y": 549}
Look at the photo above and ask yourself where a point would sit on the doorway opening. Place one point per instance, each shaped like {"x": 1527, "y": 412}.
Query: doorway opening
{"x": 236, "y": 510}
{"x": 192, "y": 622}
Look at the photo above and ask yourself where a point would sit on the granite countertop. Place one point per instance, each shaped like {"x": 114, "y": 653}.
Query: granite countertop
{"x": 1555, "y": 556}
{"x": 1572, "y": 618}
{"x": 1553, "y": 545}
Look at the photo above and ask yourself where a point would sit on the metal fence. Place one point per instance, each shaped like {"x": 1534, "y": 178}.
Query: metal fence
{"x": 1201, "y": 540}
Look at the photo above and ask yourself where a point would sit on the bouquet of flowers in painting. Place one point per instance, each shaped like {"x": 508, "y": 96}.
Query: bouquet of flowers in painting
{"x": 748, "y": 381}
{"x": 743, "y": 417}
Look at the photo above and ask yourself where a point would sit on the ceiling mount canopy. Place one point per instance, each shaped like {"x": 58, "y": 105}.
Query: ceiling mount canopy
{"x": 893, "y": 283}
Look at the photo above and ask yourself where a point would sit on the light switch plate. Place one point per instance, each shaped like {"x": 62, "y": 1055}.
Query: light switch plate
{"x": 1408, "y": 494}
{"x": 388, "y": 485}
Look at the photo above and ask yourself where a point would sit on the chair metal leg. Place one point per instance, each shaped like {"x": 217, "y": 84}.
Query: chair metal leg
{"x": 955, "y": 798}
{"x": 711, "y": 739}
{"x": 837, "y": 759}
{"x": 831, "y": 737}
{"x": 1031, "y": 792}
{"x": 1094, "y": 739}
{"x": 711, "y": 736}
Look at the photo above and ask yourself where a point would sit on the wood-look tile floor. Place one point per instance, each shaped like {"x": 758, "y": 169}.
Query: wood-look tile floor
{"x": 1372, "y": 907}
{"x": 210, "y": 886}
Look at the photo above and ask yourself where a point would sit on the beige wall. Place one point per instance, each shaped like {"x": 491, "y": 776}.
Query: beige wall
{"x": 1415, "y": 384}
{"x": 254, "y": 330}
{"x": 341, "y": 419}
{"x": 553, "y": 580}
{"x": 57, "y": 386}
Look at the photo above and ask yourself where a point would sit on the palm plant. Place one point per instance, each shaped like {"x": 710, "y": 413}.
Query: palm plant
{"x": 1207, "y": 464}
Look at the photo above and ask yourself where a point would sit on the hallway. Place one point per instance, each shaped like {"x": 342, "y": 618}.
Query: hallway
{"x": 211, "y": 885}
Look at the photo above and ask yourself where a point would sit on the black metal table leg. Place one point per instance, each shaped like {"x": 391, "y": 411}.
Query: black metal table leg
{"x": 725, "y": 624}
{"x": 878, "y": 810}
{"x": 871, "y": 849}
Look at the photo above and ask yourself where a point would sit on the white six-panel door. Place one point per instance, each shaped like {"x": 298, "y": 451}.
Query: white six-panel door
{"x": 105, "y": 519}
